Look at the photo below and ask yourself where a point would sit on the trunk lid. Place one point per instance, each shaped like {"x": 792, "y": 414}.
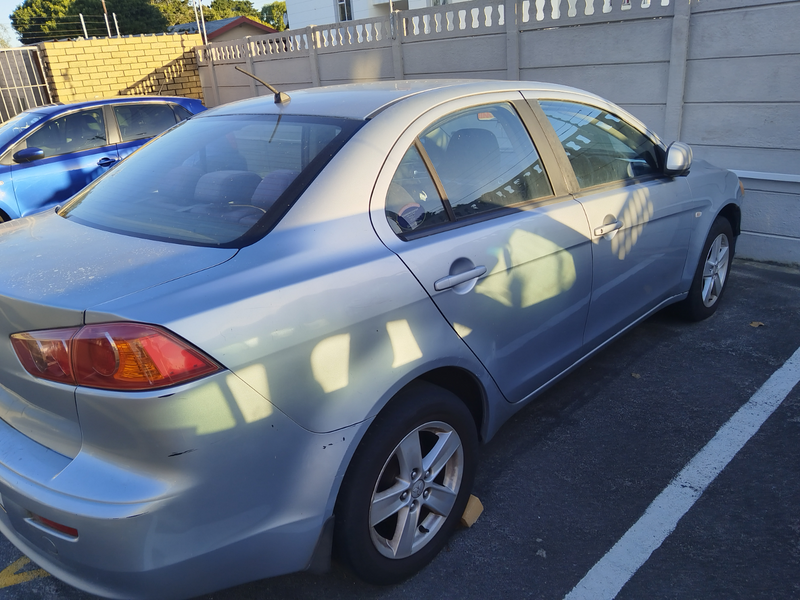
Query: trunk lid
{"x": 53, "y": 270}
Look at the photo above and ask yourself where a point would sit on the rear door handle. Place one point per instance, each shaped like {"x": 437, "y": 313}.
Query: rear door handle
{"x": 451, "y": 281}
{"x": 608, "y": 228}
{"x": 106, "y": 162}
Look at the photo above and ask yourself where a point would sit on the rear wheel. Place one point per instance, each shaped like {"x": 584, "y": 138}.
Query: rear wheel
{"x": 407, "y": 485}
{"x": 711, "y": 275}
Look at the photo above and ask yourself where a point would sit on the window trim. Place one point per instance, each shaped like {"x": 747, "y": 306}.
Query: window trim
{"x": 497, "y": 213}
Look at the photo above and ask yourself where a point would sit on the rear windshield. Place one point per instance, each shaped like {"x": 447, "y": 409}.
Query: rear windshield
{"x": 215, "y": 181}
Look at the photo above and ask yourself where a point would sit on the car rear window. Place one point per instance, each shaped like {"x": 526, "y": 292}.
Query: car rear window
{"x": 221, "y": 181}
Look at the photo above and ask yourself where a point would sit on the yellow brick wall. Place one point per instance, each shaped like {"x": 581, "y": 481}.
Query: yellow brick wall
{"x": 132, "y": 65}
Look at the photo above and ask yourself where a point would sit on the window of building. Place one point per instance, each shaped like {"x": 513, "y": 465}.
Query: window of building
{"x": 344, "y": 10}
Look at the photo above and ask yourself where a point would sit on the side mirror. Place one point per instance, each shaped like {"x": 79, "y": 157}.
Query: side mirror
{"x": 27, "y": 155}
{"x": 679, "y": 159}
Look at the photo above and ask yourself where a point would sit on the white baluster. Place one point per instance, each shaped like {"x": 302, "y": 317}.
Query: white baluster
{"x": 540, "y": 10}
{"x": 572, "y": 11}
{"x": 606, "y": 6}
{"x": 556, "y": 9}
{"x": 589, "y": 7}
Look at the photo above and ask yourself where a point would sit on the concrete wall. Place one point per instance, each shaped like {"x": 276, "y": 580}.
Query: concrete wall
{"x": 138, "y": 65}
{"x": 742, "y": 110}
{"x": 722, "y": 75}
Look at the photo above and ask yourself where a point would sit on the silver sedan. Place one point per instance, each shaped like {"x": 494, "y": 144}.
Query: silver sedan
{"x": 283, "y": 328}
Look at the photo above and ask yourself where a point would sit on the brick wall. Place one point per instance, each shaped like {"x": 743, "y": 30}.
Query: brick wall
{"x": 132, "y": 65}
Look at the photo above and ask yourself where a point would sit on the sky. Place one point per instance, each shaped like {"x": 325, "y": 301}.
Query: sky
{"x": 6, "y": 8}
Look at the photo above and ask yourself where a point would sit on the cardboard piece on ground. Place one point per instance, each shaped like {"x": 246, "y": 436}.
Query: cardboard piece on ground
{"x": 471, "y": 512}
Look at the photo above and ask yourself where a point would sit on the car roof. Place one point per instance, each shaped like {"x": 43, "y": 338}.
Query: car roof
{"x": 363, "y": 100}
{"x": 51, "y": 109}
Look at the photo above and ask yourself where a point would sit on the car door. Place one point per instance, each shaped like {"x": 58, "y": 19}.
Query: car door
{"x": 466, "y": 202}
{"x": 76, "y": 151}
{"x": 140, "y": 122}
{"x": 641, "y": 221}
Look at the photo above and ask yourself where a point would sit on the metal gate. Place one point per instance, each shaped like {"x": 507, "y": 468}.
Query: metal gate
{"x": 22, "y": 81}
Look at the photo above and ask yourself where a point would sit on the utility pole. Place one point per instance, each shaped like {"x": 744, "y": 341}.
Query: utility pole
{"x": 105, "y": 14}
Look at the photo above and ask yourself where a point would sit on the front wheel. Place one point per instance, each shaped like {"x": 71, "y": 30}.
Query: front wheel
{"x": 407, "y": 485}
{"x": 712, "y": 272}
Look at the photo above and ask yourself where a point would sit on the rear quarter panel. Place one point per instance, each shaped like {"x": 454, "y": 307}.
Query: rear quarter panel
{"x": 318, "y": 317}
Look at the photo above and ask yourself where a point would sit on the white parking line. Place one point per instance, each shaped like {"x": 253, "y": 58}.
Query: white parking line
{"x": 612, "y": 572}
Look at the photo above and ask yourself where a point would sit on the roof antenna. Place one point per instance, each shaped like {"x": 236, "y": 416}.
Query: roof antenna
{"x": 280, "y": 97}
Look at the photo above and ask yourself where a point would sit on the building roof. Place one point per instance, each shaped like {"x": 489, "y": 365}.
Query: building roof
{"x": 220, "y": 26}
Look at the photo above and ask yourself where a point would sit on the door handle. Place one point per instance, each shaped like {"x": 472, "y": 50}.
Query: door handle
{"x": 451, "y": 281}
{"x": 608, "y": 228}
{"x": 106, "y": 162}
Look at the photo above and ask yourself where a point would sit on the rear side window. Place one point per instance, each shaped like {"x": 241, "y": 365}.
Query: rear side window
{"x": 484, "y": 160}
{"x": 140, "y": 121}
{"x": 214, "y": 181}
{"x": 601, "y": 147}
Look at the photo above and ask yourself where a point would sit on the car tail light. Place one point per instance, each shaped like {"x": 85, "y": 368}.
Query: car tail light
{"x": 45, "y": 353}
{"x": 111, "y": 356}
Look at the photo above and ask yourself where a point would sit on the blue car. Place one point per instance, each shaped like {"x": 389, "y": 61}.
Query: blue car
{"x": 49, "y": 153}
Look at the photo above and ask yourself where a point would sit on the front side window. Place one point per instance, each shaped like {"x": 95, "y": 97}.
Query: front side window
{"x": 78, "y": 131}
{"x": 484, "y": 160}
{"x": 601, "y": 147}
{"x": 215, "y": 181}
{"x": 15, "y": 125}
{"x": 140, "y": 121}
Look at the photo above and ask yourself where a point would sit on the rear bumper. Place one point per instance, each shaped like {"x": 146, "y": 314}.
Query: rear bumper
{"x": 278, "y": 550}
{"x": 173, "y": 511}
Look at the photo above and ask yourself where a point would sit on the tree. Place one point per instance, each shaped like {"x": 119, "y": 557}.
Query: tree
{"x": 175, "y": 11}
{"x": 274, "y": 15}
{"x": 5, "y": 36}
{"x": 133, "y": 16}
{"x": 39, "y": 20}
{"x": 224, "y": 9}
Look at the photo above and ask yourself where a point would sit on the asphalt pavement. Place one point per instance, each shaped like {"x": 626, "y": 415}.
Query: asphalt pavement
{"x": 567, "y": 477}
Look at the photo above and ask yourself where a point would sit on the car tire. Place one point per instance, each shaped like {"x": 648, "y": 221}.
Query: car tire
{"x": 711, "y": 275}
{"x": 407, "y": 485}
